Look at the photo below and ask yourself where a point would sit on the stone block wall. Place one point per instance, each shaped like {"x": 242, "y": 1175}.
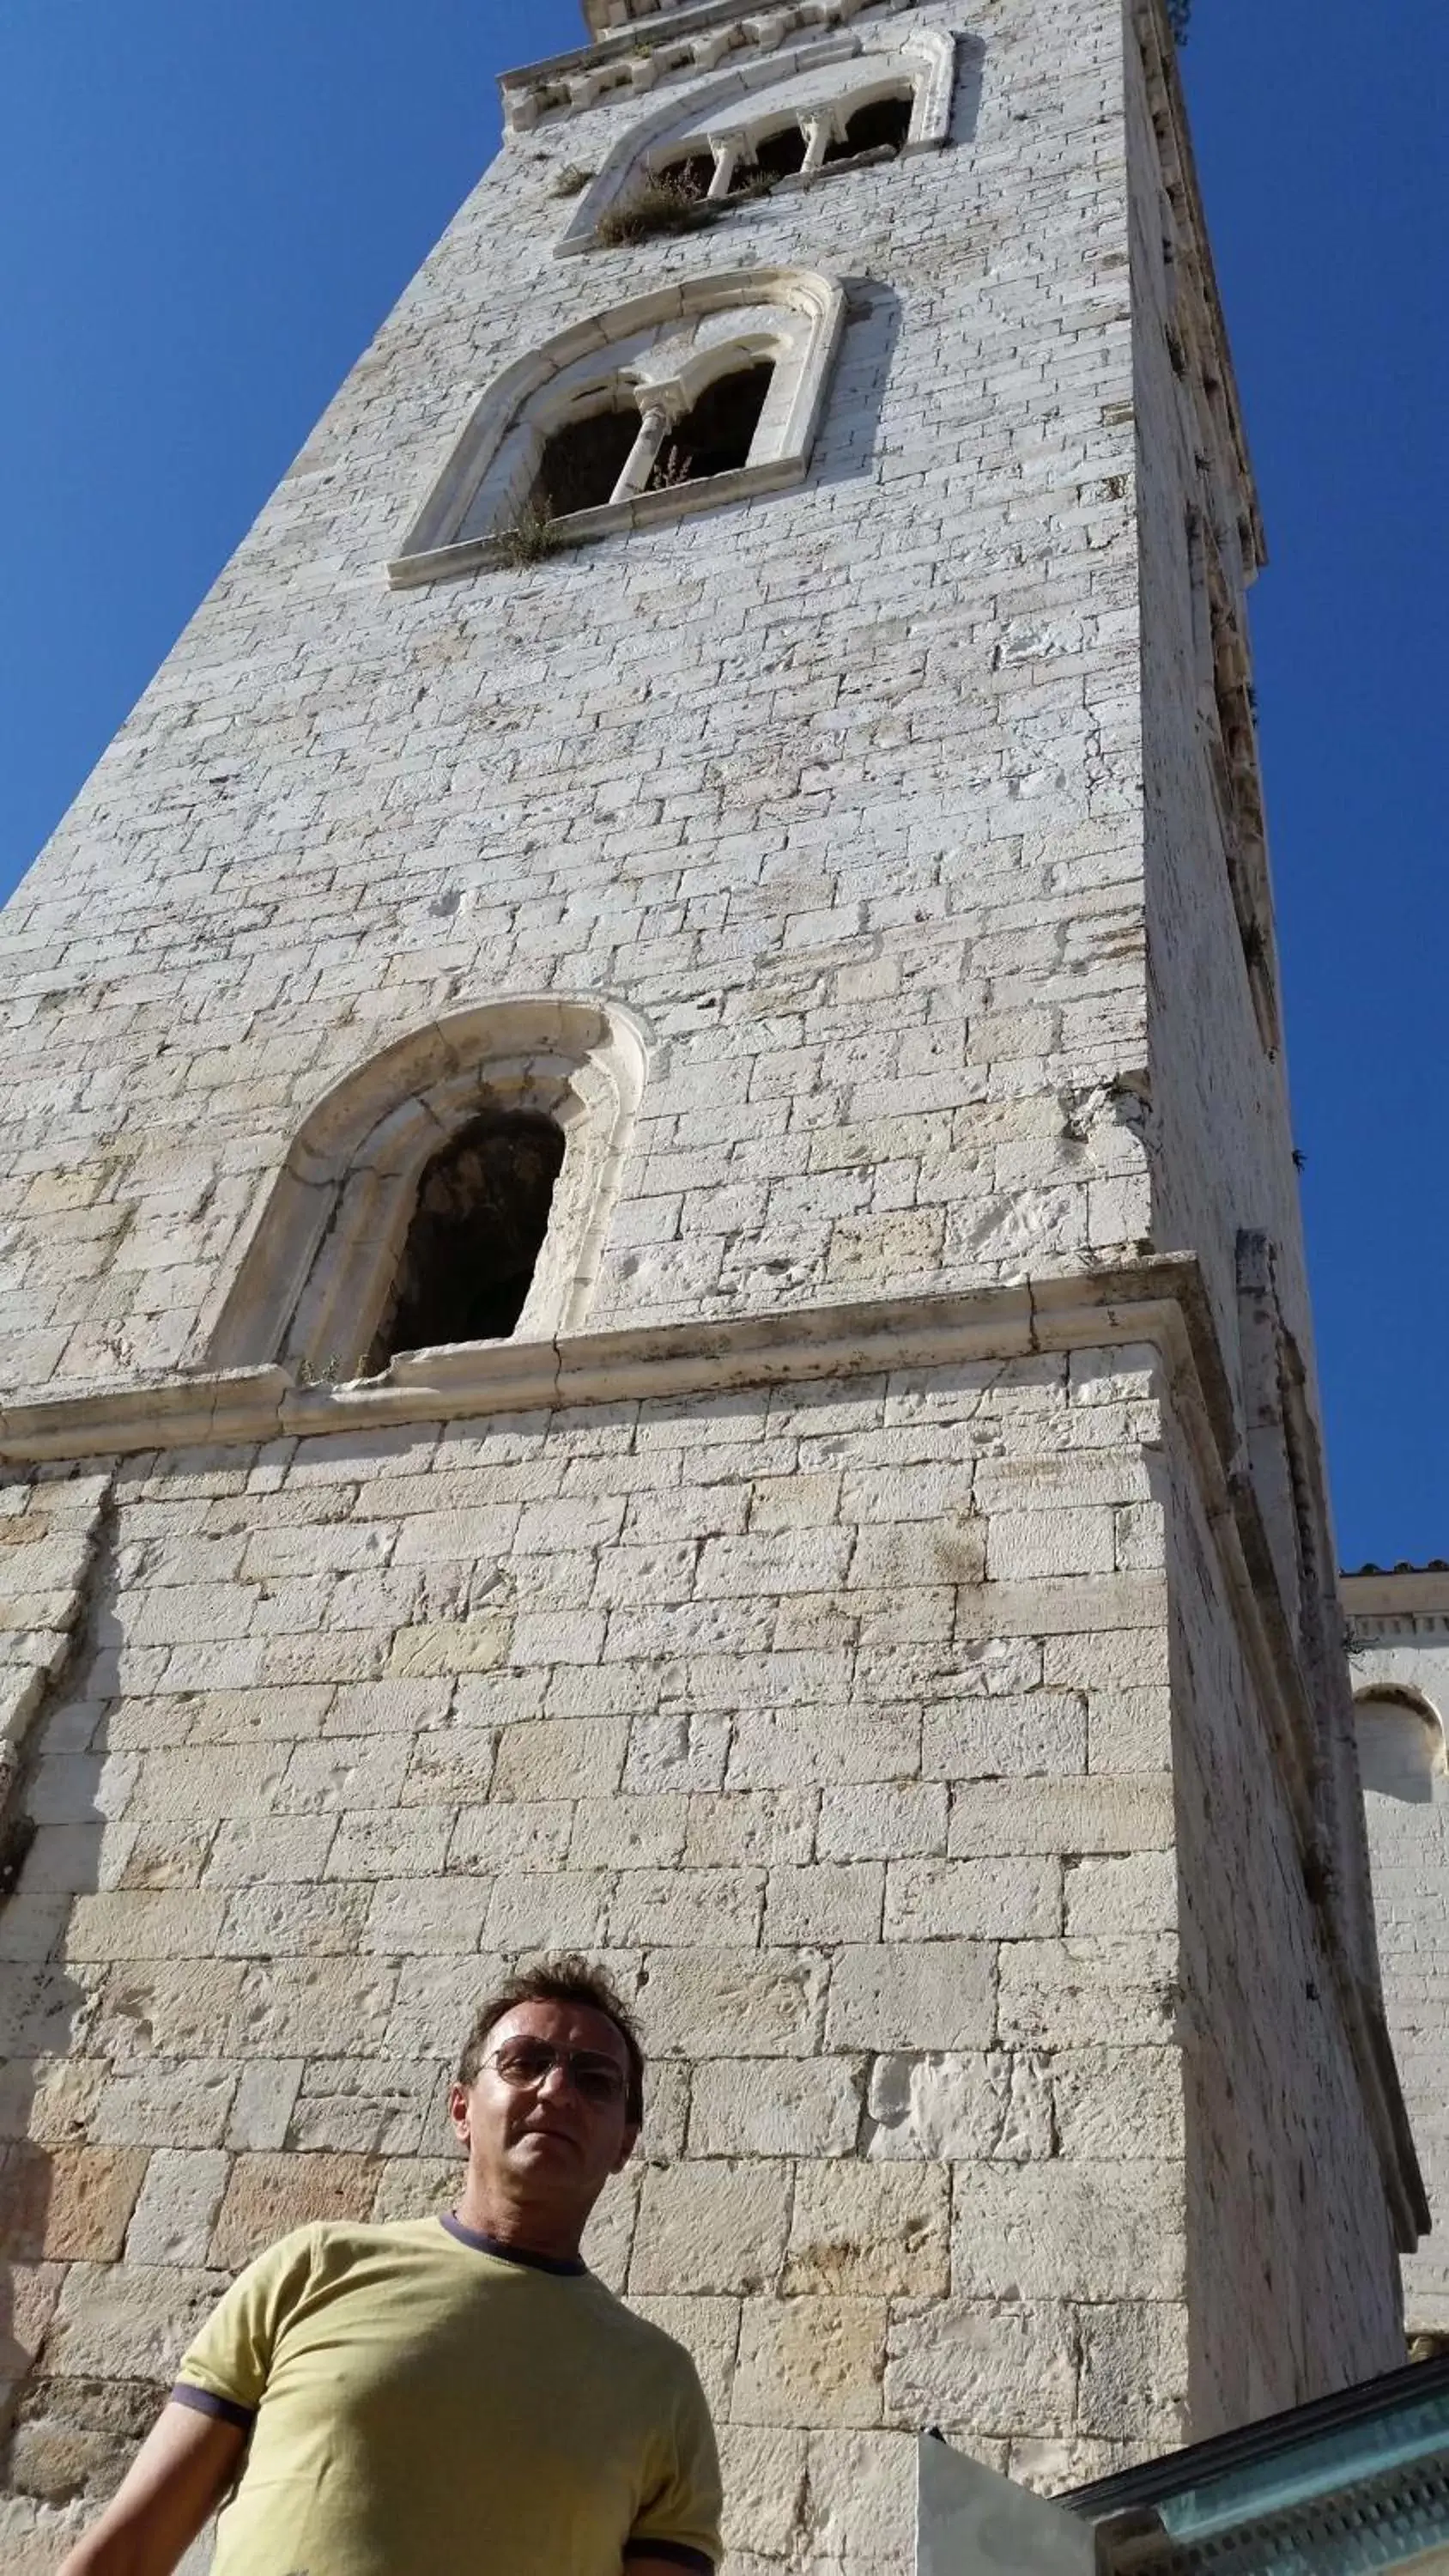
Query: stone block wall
{"x": 834, "y": 1717}
{"x": 1276, "y": 2126}
{"x": 839, "y": 1719}
{"x": 838, "y": 791}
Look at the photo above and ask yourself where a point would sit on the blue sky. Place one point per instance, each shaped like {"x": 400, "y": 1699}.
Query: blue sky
{"x": 205, "y": 212}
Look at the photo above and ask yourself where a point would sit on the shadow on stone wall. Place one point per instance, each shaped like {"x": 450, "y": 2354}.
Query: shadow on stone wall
{"x": 65, "y": 2199}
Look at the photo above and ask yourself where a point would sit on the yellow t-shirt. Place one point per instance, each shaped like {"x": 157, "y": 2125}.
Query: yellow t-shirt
{"x": 420, "y": 2400}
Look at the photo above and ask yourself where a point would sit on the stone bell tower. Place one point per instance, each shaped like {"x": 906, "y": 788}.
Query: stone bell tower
{"x": 654, "y": 1300}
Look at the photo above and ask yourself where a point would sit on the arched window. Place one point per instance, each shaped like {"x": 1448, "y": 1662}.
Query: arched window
{"x": 477, "y": 1229}
{"x": 881, "y": 123}
{"x": 777, "y": 151}
{"x": 690, "y": 175}
{"x": 797, "y": 116}
{"x": 1400, "y": 1743}
{"x": 698, "y": 394}
{"x": 628, "y": 443}
{"x": 584, "y": 457}
{"x": 455, "y": 1188}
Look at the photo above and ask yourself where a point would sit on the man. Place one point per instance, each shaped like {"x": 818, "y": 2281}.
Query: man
{"x": 446, "y": 2394}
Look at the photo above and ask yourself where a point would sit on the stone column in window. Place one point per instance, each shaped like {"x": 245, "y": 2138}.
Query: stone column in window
{"x": 820, "y": 133}
{"x": 644, "y": 453}
{"x": 726, "y": 152}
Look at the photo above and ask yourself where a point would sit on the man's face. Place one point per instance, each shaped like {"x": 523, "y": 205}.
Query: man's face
{"x": 551, "y": 2140}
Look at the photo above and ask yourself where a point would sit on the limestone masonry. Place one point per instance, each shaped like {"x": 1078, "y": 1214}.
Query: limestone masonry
{"x": 760, "y": 709}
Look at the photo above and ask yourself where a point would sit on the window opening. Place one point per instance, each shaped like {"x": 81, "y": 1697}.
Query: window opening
{"x": 1399, "y": 1743}
{"x": 690, "y": 176}
{"x": 583, "y": 460}
{"x": 881, "y": 125}
{"x": 716, "y": 436}
{"x": 477, "y": 1230}
{"x": 775, "y": 156}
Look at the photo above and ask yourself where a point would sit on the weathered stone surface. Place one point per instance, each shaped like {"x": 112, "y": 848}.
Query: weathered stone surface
{"x": 775, "y": 2106}
{"x": 712, "y": 2227}
{"x": 1075, "y": 2230}
{"x": 118, "y": 2321}
{"x": 863, "y": 2231}
{"x": 923, "y": 1994}
{"x": 267, "y": 2195}
{"x": 1003, "y": 2367}
{"x": 68, "y": 2204}
{"x": 982, "y": 2104}
{"x": 810, "y": 2361}
{"x": 176, "y": 2212}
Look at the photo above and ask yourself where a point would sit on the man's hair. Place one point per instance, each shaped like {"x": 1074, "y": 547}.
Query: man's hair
{"x": 564, "y": 1979}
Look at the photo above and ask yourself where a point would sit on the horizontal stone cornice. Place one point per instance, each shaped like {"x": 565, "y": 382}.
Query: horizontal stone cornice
{"x": 670, "y": 44}
{"x": 1148, "y": 1301}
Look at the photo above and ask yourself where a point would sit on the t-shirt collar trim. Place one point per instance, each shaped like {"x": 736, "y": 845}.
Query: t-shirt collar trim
{"x": 569, "y": 2264}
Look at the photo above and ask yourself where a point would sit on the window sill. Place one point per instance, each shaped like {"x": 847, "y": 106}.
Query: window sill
{"x": 586, "y": 527}
{"x": 792, "y": 183}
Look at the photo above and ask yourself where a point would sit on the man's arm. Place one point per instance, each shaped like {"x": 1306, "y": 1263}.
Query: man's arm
{"x": 178, "y": 2476}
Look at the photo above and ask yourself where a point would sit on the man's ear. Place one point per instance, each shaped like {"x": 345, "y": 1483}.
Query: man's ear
{"x": 631, "y": 2140}
{"x": 458, "y": 2113}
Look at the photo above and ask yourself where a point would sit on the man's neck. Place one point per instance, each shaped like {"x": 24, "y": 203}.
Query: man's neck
{"x": 525, "y": 2226}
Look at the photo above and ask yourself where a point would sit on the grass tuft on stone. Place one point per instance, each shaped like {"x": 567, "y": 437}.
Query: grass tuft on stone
{"x": 531, "y": 538}
{"x": 657, "y": 207}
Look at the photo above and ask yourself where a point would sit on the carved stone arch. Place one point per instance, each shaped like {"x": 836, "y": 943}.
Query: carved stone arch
{"x": 324, "y": 1254}
{"x": 795, "y": 314}
{"x": 1401, "y": 1740}
{"x": 927, "y": 56}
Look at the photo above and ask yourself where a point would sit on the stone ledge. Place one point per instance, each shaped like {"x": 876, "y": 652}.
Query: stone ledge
{"x": 1158, "y": 1299}
{"x": 611, "y": 518}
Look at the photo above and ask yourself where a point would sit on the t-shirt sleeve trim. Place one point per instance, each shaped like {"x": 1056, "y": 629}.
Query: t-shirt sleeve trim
{"x": 204, "y": 2401}
{"x": 673, "y": 2552}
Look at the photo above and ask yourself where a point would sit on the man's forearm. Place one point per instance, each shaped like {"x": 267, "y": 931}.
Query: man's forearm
{"x": 101, "y": 2553}
{"x": 179, "y": 2476}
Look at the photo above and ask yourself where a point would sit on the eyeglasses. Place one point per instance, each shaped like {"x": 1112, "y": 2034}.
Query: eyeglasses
{"x": 523, "y": 2063}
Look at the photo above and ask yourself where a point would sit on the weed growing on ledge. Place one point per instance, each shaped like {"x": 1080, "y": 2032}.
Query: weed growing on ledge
{"x": 530, "y": 540}
{"x": 659, "y": 206}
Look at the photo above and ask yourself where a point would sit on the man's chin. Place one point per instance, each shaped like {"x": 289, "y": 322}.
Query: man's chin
{"x": 546, "y": 2145}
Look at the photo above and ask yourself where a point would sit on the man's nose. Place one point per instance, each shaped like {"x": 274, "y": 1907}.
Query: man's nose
{"x": 558, "y": 2077}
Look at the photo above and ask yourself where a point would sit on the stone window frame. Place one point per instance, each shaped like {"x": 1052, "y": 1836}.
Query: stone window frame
{"x": 718, "y": 116}
{"x": 323, "y": 1254}
{"x": 493, "y": 462}
{"x": 1372, "y": 1697}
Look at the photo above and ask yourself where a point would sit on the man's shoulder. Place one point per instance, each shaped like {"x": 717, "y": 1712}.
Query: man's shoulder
{"x": 326, "y": 2246}
{"x": 648, "y": 2342}
{"x": 340, "y": 2241}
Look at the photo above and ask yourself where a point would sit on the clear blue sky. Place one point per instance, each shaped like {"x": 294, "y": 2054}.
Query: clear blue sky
{"x": 205, "y": 210}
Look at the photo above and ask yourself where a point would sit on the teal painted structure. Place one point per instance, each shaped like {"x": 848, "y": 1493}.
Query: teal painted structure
{"x": 1358, "y": 2480}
